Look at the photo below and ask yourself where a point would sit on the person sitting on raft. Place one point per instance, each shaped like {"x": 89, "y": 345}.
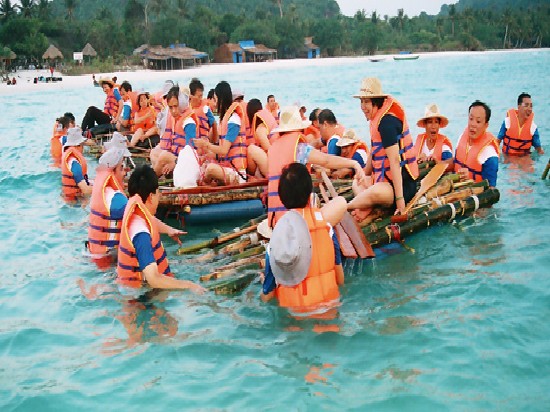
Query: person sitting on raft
{"x": 433, "y": 145}
{"x": 331, "y": 132}
{"x": 313, "y": 132}
{"x": 109, "y": 113}
{"x": 144, "y": 127}
{"x": 74, "y": 168}
{"x": 127, "y": 107}
{"x": 519, "y": 131}
{"x": 207, "y": 122}
{"x": 352, "y": 148}
{"x": 181, "y": 129}
{"x": 142, "y": 259}
{"x": 393, "y": 165}
{"x": 303, "y": 262}
{"x": 477, "y": 150}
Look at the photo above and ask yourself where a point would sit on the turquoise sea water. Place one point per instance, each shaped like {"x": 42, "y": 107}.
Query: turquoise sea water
{"x": 461, "y": 324}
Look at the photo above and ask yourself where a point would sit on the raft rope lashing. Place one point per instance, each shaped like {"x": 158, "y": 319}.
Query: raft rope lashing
{"x": 453, "y": 210}
{"x": 476, "y": 202}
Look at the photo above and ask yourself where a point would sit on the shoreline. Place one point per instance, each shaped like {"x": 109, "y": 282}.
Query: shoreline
{"x": 25, "y": 77}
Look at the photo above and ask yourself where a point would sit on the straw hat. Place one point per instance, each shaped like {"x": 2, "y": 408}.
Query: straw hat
{"x": 432, "y": 111}
{"x": 290, "y": 119}
{"x": 106, "y": 80}
{"x": 74, "y": 137}
{"x": 349, "y": 137}
{"x": 264, "y": 230}
{"x": 290, "y": 249}
{"x": 370, "y": 88}
{"x": 112, "y": 157}
{"x": 118, "y": 141}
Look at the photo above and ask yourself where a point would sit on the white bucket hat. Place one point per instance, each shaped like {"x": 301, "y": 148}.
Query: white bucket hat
{"x": 290, "y": 249}
{"x": 432, "y": 111}
{"x": 370, "y": 89}
{"x": 349, "y": 137}
{"x": 119, "y": 141}
{"x": 112, "y": 157}
{"x": 290, "y": 119}
{"x": 264, "y": 230}
{"x": 237, "y": 94}
{"x": 74, "y": 137}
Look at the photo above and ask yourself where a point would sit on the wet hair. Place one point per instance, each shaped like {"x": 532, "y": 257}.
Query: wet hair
{"x": 70, "y": 116}
{"x": 477, "y": 103}
{"x": 295, "y": 186}
{"x": 254, "y": 106}
{"x": 378, "y": 101}
{"x": 326, "y": 115}
{"x": 522, "y": 96}
{"x": 269, "y": 97}
{"x": 211, "y": 93}
{"x": 143, "y": 181}
{"x": 194, "y": 85}
{"x": 314, "y": 114}
{"x": 225, "y": 97}
{"x": 126, "y": 86}
{"x": 173, "y": 92}
{"x": 64, "y": 121}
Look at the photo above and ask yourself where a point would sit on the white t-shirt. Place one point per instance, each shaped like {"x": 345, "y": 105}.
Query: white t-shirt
{"x": 486, "y": 152}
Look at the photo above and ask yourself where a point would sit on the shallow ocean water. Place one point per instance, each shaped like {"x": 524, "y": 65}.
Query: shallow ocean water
{"x": 460, "y": 324}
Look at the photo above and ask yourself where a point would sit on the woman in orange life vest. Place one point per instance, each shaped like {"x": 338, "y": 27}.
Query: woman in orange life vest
{"x": 352, "y": 148}
{"x": 109, "y": 113}
{"x": 519, "y": 131}
{"x": 232, "y": 146}
{"x": 144, "y": 125}
{"x": 62, "y": 124}
{"x": 74, "y": 169}
{"x": 477, "y": 151}
{"x": 433, "y": 145}
{"x": 303, "y": 262}
{"x": 393, "y": 164}
{"x": 181, "y": 129}
{"x": 141, "y": 257}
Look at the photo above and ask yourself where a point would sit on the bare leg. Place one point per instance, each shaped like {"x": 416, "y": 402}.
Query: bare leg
{"x": 136, "y": 138}
{"x": 257, "y": 158}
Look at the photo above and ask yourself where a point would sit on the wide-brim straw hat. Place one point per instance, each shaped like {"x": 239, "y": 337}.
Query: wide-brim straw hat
{"x": 370, "y": 89}
{"x": 290, "y": 120}
{"x": 432, "y": 111}
{"x": 74, "y": 137}
{"x": 118, "y": 141}
{"x": 290, "y": 249}
{"x": 112, "y": 157}
{"x": 106, "y": 80}
{"x": 264, "y": 230}
{"x": 349, "y": 137}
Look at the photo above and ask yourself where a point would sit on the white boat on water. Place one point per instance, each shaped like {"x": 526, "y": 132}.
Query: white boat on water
{"x": 406, "y": 56}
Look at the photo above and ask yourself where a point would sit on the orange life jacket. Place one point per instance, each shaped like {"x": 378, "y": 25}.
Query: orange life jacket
{"x": 264, "y": 117}
{"x": 174, "y": 139}
{"x": 111, "y": 104}
{"x": 203, "y": 129}
{"x": 380, "y": 162}
{"x": 68, "y": 186}
{"x": 339, "y": 131}
{"x": 148, "y": 122}
{"x": 468, "y": 156}
{"x": 236, "y": 156}
{"x": 275, "y": 113}
{"x": 312, "y": 130}
{"x": 281, "y": 153}
{"x": 56, "y": 147}
{"x": 438, "y": 147}
{"x": 320, "y": 286}
{"x": 518, "y": 139}
{"x": 103, "y": 230}
{"x": 128, "y": 272}
{"x": 132, "y": 98}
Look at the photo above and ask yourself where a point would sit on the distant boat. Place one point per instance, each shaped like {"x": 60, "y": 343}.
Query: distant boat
{"x": 406, "y": 55}
{"x": 377, "y": 59}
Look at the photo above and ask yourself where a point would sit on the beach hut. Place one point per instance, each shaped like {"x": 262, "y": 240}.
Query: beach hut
{"x": 52, "y": 53}
{"x": 257, "y": 52}
{"x": 89, "y": 51}
{"x": 175, "y": 57}
{"x": 229, "y": 53}
{"x": 311, "y": 51}
{"x": 6, "y": 57}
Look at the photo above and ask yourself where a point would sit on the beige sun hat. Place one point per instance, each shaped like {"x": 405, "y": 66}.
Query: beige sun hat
{"x": 432, "y": 111}
{"x": 370, "y": 88}
{"x": 349, "y": 137}
{"x": 106, "y": 80}
{"x": 264, "y": 230}
{"x": 290, "y": 120}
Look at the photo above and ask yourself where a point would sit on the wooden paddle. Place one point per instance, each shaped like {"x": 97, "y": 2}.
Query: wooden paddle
{"x": 545, "y": 173}
{"x": 425, "y": 184}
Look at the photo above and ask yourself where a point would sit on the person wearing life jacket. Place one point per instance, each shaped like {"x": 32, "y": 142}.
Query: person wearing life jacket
{"x": 331, "y": 132}
{"x": 108, "y": 115}
{"x": 231, "y": 149}
{"x": 59, "y": 137}
{"x": 181, "y": 129}
{"x": 477, "y": 150}
{"x": 273, "y": 107}
{"x": 207, "y": 121}
{"x": 144, "y": 125}
{"x": 127, "y": 107}
{"x": 312, "y": 132}
{"x": 107, "y": 205}
{"x": 142, "y": 259}
{"x": 303, "y": 262}
{"x": 74, "y": 168}
{"x": 290, "y": 147}
{"x": 393, "y": 165}
{"x": 354, "y": 148}
{"x": 161, "y": 107}
{"x": 519, "y": 132}
{"x": 433, "y": 145}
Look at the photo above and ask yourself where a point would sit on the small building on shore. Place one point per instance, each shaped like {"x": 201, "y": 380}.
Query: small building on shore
{"x": 174, "y": 57}
{"x": 244, "y": 51}
{"x": 310, "y": 50}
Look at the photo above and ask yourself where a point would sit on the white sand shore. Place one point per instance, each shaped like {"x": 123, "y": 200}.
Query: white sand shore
{"x": 25, "y": 77}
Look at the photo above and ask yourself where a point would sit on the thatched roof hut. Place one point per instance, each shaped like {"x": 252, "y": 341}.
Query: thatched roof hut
{"x": 52, "y": 53}
{"x": 88, "y": 50}
{"x": 174, "y": 57}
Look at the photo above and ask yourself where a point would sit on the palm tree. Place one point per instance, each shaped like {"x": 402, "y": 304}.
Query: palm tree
{"x": 44, "y": 9}
{"x": 400, "y": 16}
{"x": 279, "y": 3}
{"x": 70, "y": 5}
{"x": 6, "y": 9}
{"x": 27, "y": 8}
{"x": 452, "y": 16}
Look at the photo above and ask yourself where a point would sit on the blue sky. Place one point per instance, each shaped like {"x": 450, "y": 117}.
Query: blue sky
{"x": 390, "y": 7}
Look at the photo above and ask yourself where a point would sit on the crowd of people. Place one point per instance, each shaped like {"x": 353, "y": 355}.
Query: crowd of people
{"x": 223, "y": 139}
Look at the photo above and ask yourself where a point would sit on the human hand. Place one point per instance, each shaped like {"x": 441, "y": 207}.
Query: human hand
{"x": 168, "y": 168}
{"x": 201, "y": 143}
{"x": 175, "y": 234}
{"x": 359, "y": 173}
{"x": 196, "y": 288}
{"x": 400, "y": 206}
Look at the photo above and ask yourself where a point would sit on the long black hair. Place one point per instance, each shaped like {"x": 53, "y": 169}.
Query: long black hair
{"x": 225, "y": 97}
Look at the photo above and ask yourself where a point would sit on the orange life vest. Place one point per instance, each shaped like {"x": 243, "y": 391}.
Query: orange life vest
{"x": 518, "y": 139}
{"x": 56, "y": 147}
{"x": 174, "y": 139}
{"x": 132, "y": 98}
{"x": 468, "y": 156}
{"x": 339, "y": 131}
{"x": 103, "y": 230}
{"x": 148, "y": 122}
{"x": 380, "y": 162}
{"x": 275, "y": 113}
{"x": 236, "y": 156}
{"x": 320, "y": 286}
{"x": 128, "y": 272}
{"x": 111, "y": 104}
{"x": 312, "y": 130}
{"x": 68, "y": 186}
{"x": 281, "y": 153}
{"x": 203, "y": 125}
{"x": 264, "y": 117}
{"x": 438, "y": 147}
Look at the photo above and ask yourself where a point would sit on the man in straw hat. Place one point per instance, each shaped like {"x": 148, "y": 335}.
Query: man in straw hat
{"x": 292, "y": 147}
{"x": 74, "y": 168}
{"x": 352, "y": 148}
{"x": 303, "y": 262}
{"x": 433, "y": 145}
{"x": 109, "y": 113}
{"x": 393, "y": 167}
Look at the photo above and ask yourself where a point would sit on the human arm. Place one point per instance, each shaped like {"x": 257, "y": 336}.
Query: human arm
{"x": 169, "y": 230}
{"x": 489, "y": 170}
{"x": 269, "y": 284}
{"x": 79, "y": 178}
{"x": 502, "y": 132}
{"x": 333, "y": 211}
{"x": 319, "y": 158}
{"x": 393, "y": 156}
{"x": 337, "y": 260}
{"x": 536, "y": 142}
{"x": 262, "y": 137}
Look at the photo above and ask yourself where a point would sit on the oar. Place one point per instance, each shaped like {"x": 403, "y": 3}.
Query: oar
{"x": 545, "y": 173}
{"x": 425, "y": 184}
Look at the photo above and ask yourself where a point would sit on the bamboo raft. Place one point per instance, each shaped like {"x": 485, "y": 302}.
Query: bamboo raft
{"x": 238, "y": 256}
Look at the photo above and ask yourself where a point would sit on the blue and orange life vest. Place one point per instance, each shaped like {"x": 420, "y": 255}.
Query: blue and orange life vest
{"x": 236, "y": 156}
{"x": 128, "y": 271}
{"x": 111, "y": 104}
{"x": 174, "y": 139}
{"x": 68, "y": 185}
{"x": 320, "y": 287}
{"x": 518, "y": 139}
{"x": 380, "y": 162}
{"x": 338, "y": 131}
{"x": 103, "y": 230}
{"x": 203, "y": 129}
{"x": 264, "y": 117}
{"x": 438, "y": 147}
{"x": 468, "y": 155}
